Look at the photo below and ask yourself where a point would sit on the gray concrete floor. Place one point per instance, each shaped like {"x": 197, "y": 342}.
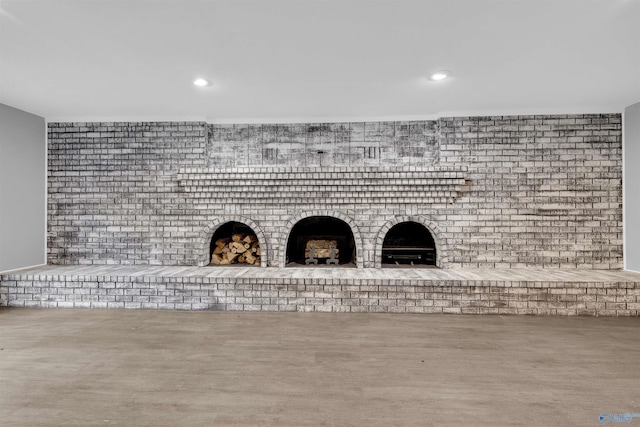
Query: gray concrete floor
{"x": 160, "y": 368}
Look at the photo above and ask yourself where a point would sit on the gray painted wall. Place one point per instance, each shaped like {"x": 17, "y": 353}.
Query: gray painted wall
{"x": 23, "y": 167}
{"x": 631, "y": 191}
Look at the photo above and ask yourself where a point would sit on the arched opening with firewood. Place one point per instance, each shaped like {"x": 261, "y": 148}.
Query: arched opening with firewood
{"x": 321, "y": 240}
{"x": 235, "y": 243}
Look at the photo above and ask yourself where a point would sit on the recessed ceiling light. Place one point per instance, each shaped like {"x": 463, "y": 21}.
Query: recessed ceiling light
{"x": 201, "y": 82}
{"x": 440, "y": 75}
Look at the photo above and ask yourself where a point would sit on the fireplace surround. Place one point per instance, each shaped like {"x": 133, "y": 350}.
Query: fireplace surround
{"x": 496, "y": 192}
{"x": 356, "y": 198}
{"x": 502, "y": 192}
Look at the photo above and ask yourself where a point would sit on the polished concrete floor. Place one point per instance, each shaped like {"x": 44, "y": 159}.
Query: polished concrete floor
{"x": 63, "y": 367}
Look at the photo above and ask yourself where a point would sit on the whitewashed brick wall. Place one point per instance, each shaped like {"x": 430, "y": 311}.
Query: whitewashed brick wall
{"x": 528, "y": 191}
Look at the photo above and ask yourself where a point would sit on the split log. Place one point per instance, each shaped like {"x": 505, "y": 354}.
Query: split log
{"x": 251, "y": 238}
{"x": 238, "y": 247}
{"x": 221, "y": 243}
{"x": 249, "y": 258}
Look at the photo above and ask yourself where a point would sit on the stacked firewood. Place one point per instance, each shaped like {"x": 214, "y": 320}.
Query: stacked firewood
{"x": 237, "y": 249}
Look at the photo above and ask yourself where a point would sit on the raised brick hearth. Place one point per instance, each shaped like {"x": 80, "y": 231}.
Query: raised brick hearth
{"x": 463, "y": 291}
{"x": 536, "y": 192}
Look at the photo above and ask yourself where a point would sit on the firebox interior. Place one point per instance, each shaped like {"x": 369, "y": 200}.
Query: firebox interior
{"x": 408, "y": 243}
{"x": 321, "y": 228}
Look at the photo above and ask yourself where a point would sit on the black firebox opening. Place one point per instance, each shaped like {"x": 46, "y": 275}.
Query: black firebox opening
{"x": 321, "y": 228}
{"x": 408, "y": 243}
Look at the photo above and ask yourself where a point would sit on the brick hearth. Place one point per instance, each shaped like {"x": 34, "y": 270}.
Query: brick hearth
{"x": 393, "y": 290}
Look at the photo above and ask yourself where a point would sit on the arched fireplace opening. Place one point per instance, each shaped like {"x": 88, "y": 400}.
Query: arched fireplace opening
{"x": 408, "y": 243}
{"x": 321, "y": 240}
{"x": 235, "y": 243}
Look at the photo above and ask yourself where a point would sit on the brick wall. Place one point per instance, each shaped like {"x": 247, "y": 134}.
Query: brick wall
{"x": 494, "y": 191}
{"x": 113, "y": 197}
{"x": 544, "y": 190}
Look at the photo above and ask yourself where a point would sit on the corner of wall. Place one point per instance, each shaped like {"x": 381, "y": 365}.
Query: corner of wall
{"x": 631, "y": 196}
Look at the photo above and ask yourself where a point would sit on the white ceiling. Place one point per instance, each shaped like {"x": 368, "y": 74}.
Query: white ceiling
{"x": 317, "y": 60}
